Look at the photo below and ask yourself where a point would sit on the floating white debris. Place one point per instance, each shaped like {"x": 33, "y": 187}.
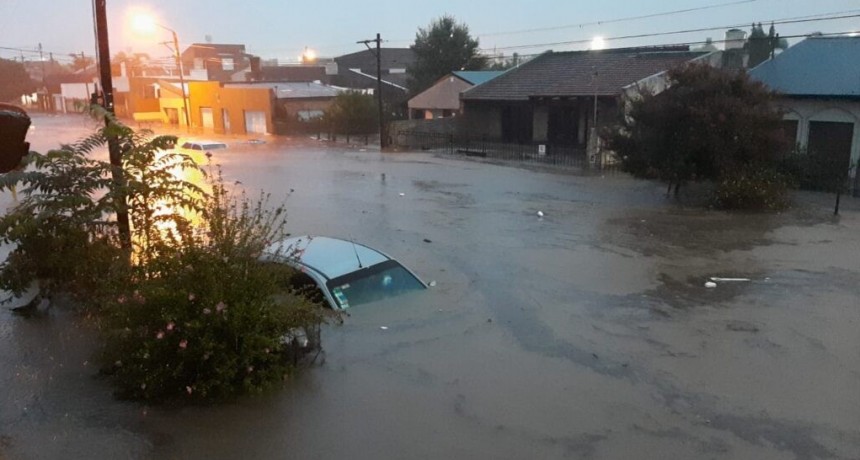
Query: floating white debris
{"x": 402, "y": 194}
{"x": 729, "y": 280}
{"x": 384, "y": 328}
{"x": 540, "y": 213}
{"x": 710, "y": 285}
{"x": 432, "y": 284}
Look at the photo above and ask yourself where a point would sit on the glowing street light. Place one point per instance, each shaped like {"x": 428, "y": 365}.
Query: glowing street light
{"x": 146, "y": 24}
{"x": 308, "y": 56}
{"x": 598, "y": 43}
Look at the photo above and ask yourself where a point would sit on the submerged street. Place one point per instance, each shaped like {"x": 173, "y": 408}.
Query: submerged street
{"x": 585, "y": 333}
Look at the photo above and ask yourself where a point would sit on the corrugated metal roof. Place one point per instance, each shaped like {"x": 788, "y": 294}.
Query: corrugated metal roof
{"x": 477, "y": 77}
{"x": 292, "y": 90}
{"x": 579, "y": 73}
{"x": 817, "y": 66}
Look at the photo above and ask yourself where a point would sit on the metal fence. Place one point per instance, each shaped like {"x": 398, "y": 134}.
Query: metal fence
{"x": 546, "y": 154}
{"x": 822, "y": 173}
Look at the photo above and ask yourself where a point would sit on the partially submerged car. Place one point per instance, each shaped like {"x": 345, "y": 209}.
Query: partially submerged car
{"x": 346, "y": 273}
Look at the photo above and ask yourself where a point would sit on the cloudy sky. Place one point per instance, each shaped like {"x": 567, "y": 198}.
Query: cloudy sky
{"x": 281, "y": 28}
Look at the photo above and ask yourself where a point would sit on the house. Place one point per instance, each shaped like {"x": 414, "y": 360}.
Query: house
{"x": 219, "y": 62}
{"x": 295, "y": 104}
{"x": 442, "y": 100}
{"x": 819, "y": 83}
{"x": 358, "y": 71}
{"x": 231, "y": 109}
{"x": 558, "y": 98}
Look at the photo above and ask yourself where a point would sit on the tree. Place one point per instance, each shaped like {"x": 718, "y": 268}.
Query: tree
{"x": 14, "y": 81}
{"x": 761, "y": 46}
{"x": 708, "y": 125}
{"x": 443, "y": 47}
{"x": 352, "y": 112}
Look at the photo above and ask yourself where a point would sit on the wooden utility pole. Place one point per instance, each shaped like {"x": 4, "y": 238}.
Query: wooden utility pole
{"x": 383, "y": 139}
{"x": 103, "y": 57}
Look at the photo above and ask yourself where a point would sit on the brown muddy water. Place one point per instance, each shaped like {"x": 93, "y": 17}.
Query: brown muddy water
{"x": 587, "y": 333}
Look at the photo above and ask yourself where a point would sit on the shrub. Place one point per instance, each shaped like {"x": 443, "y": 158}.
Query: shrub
{"x": 755, "y": 188}
{"x": 203, "y": 319}
{"x": 188, "y": 310}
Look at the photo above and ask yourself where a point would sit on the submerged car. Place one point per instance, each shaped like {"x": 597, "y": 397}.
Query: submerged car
{"x": 190, "y": 146}
{"x": 346, "y": 273}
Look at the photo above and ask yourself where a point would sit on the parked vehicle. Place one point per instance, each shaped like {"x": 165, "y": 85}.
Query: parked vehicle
{"x": 345, "y": 273}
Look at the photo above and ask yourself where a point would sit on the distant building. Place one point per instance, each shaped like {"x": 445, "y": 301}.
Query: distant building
{"x": 553, "y": 99}
{"x": 442, "y": 100}
{"x": 819, "y": 83}
{"x": 218, "y": 62}
{"x": 358, "y": 71}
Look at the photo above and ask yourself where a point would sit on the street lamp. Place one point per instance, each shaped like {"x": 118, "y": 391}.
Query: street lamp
{"x": 146, "y": 24}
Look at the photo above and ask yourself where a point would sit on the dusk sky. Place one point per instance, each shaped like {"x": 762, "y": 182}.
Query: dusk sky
{"x": 281, "y": 29}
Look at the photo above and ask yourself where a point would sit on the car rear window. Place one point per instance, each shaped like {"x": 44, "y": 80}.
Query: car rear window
{"x": 370, "y": 284}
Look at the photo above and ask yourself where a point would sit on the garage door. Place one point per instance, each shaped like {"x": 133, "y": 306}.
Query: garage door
{"x": 255, "y": 122}
{"x": 208, "y": 119}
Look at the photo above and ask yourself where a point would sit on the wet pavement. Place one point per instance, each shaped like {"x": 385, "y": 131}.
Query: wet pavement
{"x": 587, "y": 333}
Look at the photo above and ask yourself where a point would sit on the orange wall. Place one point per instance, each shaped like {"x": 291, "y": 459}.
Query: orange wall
{"x": 235, "y": 100}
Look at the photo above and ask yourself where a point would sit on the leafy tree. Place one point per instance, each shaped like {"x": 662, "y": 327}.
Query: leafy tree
{"x": 14, "y": 81}
{"x": 760, "y": 45}
{"x": 708, "y": 124}
{"x": 443, "y": 47}
{"x": 352, "y": 112}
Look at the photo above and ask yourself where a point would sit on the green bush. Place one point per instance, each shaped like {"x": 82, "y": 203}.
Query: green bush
{"x": 753, "y": 189}
{"x": 185, "y": 307}
{"x": 203, "y": 319}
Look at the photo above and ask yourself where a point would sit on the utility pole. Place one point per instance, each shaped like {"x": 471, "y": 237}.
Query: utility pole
{"x": 383, "y": 140}
{"x": 103, "y": 57}
{"x": 181, "y": 79}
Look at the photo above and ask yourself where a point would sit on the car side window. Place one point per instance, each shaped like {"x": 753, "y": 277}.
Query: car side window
{"x": 186, "y": 145}
{"x": 197, "y": 147}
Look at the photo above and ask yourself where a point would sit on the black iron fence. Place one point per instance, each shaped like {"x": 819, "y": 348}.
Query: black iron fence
{"x": 547, "y": 154}
{"x": 822, "y": 173}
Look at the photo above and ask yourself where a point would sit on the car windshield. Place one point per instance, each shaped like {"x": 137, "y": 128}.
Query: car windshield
{"x": 214, "y": 146}
{"x": 370, "y": 284}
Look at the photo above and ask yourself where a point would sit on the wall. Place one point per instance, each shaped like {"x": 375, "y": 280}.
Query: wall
{"x": 841, "y": 110}
{"x": 481, "y": 119}
{"x": 444, "y": 95}
{"x": 236, "y": 100}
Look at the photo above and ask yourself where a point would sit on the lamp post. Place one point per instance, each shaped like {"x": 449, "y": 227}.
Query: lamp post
{"x": 146, "y": 23}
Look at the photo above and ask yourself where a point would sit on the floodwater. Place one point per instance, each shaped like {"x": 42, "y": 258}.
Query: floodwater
{"x": 587, "y": 333}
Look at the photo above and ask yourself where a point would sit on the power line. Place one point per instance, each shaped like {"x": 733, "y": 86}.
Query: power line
{"x": 676, "y": 32}
{"x": 702, "y": 42}
{"x": 624, "y": 19}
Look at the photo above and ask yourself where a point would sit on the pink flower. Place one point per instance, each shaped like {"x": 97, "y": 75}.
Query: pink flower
{"x": 250, "y": 369}
{"x": 220, "y": 307}
{"x": 120, "y": 299}
{"x": 189, "y": 390}
{"x": 183, "y": 344}
{"x": 191, "y": 297}
{"x": 160, "y": 335}
{"x": 206, "y": 311}
{"x": 170, "y": 326}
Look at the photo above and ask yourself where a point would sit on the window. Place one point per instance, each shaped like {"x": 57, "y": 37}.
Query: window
{"x": 227, "y": 63}
{"x": 198, "y": 63}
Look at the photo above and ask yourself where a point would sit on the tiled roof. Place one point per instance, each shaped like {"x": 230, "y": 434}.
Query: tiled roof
{"x": 476, "y": 77}
{"x": 579, "y": 73}
{"x": 817, "y": 66}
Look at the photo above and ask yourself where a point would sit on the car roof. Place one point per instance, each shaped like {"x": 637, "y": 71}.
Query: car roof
{"x": 201, "y": 142}
{"x": 331, "y": 257}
